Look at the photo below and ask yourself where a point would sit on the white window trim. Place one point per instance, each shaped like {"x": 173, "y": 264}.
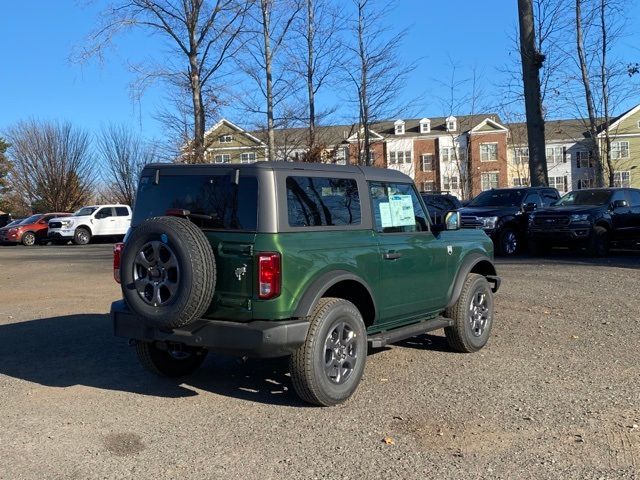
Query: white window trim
{"x": 428, "y": 182}
{"x": 399, "y": 130}
{"x": 424, "y": 158}
{"x": 617, "y": 178}
{"x": 425, "y": 127}
{"x": 552, "y": 159}
{"x": 620, "y": 150}
{"x": 248, "y": 155}
{"x": 492, "y": 159}
{"x": 482, "y": 175}
{"x": 222, "y": 158}
{"x": 226, "y": 138}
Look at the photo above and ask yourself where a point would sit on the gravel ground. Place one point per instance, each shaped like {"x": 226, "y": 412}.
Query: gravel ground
{"x": 555, "y": 394}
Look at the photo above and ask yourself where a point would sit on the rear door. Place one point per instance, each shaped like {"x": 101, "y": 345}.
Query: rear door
{"x": 226, "y": 212}
{"x": 123, "y": 220}
{"x": 621, "y": 217}
{"x": 634, "y": 203}
{"x": 413, "y": 261}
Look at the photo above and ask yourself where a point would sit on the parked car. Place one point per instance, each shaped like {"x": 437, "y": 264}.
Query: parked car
{"x": 503, "y": 214}
{"x": 590, "y": 219}
{"x": 31, "y": 230}
{"x": 91, "y": 221}
{"x": 439, "y": 203}
{"x": 5, "y": 219}
{"x": 310, "y": 261}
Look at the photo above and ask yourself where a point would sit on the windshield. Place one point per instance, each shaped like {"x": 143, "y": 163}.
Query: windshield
{"x": 498, "y": 198}
{"x": 585, "y": 197}
{"x": 31, "y": 219}
{"x": 85, "y": 211}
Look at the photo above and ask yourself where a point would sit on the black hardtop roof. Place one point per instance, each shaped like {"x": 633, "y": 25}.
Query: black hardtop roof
{"x": 370, "y": 173}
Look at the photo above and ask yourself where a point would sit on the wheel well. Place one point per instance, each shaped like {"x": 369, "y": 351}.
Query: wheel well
{"x": 357, "y": 294}
{"x": 483, "y": 268}
{"x": 604, "y": 225}
{"x": 84, "y": 227}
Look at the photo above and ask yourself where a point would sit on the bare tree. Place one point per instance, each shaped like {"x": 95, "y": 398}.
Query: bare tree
{"x": 202, "y": 35}
{"x": 123, "y": 157}
{"x": 374, "y": 67}
{"x": 315, "y": 58}
{"x": 263, "y": 63}
{"x": 52, "y": 164}
{"x": 532, "y": 61}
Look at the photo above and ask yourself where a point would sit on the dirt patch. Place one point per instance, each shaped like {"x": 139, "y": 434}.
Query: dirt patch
{"x": 124, "y": 444}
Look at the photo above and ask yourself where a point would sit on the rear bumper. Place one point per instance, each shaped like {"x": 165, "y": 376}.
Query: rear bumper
{"x": 259, "y": 339}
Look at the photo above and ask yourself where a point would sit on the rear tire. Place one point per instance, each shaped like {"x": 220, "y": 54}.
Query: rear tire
{"x": 472, "y": 316}
{"x": 508, "y": 242}
{"x": 327, "y": 368}
{"x": 174, "y": 361}
{"x": 81, "y": 236}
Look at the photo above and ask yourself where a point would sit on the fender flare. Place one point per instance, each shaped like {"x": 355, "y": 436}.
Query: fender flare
{"x": 472, "y": 260}
{"x": 321, "y": 284}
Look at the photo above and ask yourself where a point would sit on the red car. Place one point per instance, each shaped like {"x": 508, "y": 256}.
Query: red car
{"x": 29, "y": 231}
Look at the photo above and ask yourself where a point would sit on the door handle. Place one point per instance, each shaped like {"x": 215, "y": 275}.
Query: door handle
{"x": 391, "y": 255}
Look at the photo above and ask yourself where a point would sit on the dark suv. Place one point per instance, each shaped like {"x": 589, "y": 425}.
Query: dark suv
{"x": 503, "y": 214}
{"x": 309, "y": 261}
{"x": 439, "y": 204}
{"x": 588, "y": 218}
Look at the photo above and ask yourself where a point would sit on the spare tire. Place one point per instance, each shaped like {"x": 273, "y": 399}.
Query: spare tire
{"x": 168, "y": 272}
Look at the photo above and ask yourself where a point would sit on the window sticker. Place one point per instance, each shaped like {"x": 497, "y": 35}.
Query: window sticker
{"x": 401, "y": 209}
{"x": 385, "y": 215}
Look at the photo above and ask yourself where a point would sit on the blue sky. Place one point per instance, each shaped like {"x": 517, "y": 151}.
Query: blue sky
{"x": 37, "y": 80}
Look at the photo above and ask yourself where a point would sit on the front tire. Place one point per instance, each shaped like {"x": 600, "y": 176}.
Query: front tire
{"x": 29, "y": 239}
{"x": 327, "y": 368}
{"x": 472, "y": 316}
{"x": 172, "y": 360}
{"x": 81, "y": 236}
{"x": 508, "y": 242}
{"x": 599, "y": 242}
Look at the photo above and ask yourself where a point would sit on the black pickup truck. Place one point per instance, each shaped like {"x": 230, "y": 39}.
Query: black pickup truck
{"x": 503, "y": 214}
{"x": 591, "y": 219}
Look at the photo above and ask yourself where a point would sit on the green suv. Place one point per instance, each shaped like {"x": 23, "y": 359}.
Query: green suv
{"x": 312, "y": 261}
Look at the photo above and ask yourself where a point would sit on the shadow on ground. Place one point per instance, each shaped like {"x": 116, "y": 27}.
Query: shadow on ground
{"x": 81, "y": 350}
{"x": 563, "y": 256}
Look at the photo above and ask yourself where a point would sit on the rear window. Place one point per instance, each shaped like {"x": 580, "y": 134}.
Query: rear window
{"x": 216, "y": 202}
{"x": 321, "y": 201}
{"x": 122, "y": 211}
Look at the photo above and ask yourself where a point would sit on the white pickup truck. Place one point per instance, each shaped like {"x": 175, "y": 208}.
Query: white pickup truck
{"x": 89, "y": 222}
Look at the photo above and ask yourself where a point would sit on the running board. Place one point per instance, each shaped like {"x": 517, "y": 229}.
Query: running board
{"x": 379, "y": 340}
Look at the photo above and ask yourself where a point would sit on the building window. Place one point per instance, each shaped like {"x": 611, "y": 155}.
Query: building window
{"x": 450, "y": 124}
{"x": 399, "y": 127}
{"x": 622, "y": 179}
{"x": 489, "y": 180}
{"x": 427, "y": 162}
{"x": 586, "y": 183}
{"x": 521, "y": 156}
{"x": 584, "y": 159}
{"x": 559, "y": 183}
{"x": 392, "y": 158}
{"x": 400, "y": 157}
{"x": 248, "y": 158}
{"x": 555, "y": 154}
{"x": 451, "y": 183}
{"x": 425, "y": 127}
{"x": 521, "y": 181}
{"x": 488, "y": 152}
{"x": 619, "y": 150}
{"x": 341, "y": 155}
{"x": 222, "y": 158}
{"x": 445, "y": 154}
{"x": 428, "y": 186}
{"x": 225, "y": 138}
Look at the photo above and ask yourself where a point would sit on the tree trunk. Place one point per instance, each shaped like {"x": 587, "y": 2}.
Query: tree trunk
{"x": 310, "y": 83}
{"x": 586, "y": 82}
{"x": 364, "y": 78}
{"x": 266, "y": 17}
{"x": 604, "y": 83}
{"x": 198, "y": 111}
{"x": 531, "y": 64}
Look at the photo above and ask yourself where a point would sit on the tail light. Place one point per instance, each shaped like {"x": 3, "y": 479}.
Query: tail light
{"x": 117, "y": 253}
{"x": 269, "y": 275}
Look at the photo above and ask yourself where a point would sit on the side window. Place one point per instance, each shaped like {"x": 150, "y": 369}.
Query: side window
{"x": 104, "y": 212}
{"x": 533, "y": 198}
{"x": 548, "y": 197}
{"x": 618, "y": 195}
{"x": 321, "y": 201}
{"x": 122, "y": 211}
{"x": 396, "y": 208}
{"x": 634, "y": 196}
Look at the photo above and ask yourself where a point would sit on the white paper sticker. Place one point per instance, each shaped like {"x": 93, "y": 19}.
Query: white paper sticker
{"x": 401, "y": 209}
{"x": 385, "y": 215}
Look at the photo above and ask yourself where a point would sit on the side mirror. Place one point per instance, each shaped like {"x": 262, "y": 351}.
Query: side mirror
{"x": 452, "y": 220}
{"x": 619, "y": 204}
{"x": 529, "y": 207}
